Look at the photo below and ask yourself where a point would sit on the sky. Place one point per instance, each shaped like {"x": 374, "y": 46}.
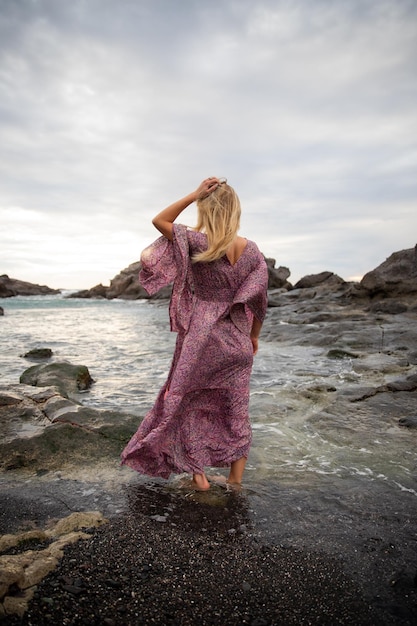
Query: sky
{"x": 112, "y": 109}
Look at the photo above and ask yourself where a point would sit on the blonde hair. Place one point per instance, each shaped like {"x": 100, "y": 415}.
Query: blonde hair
{"x": 219, "y": 218}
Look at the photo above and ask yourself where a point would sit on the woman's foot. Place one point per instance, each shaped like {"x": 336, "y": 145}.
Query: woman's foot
{"x": 236, "y": 472}
{"x": 200, "y": 482}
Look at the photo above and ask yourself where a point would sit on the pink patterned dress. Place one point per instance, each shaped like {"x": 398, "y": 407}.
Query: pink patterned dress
{"x": 200, "y": 417}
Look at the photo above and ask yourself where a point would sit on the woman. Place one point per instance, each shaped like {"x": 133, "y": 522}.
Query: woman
{"x": 218, "y": 304}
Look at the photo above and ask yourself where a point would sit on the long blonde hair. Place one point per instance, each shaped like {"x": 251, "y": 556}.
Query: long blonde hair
{"x": 219, "y": 218}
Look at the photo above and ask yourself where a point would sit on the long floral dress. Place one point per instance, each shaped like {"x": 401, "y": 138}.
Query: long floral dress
{"x": 200, "y": 417}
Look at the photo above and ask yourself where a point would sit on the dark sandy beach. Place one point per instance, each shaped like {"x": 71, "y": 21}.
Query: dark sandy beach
{"x": 188, "y": 558}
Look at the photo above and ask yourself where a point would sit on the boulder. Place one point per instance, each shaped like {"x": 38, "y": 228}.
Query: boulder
{"x": 10, "y": 287}
{"x": 326, "y": 279}
{"x": 277, "y": 277}
{"x": 45, "y": 431}
{"x": 38, "y": 354}
{"x": 69, "y": 379}
{"x": 396, "y": 276}
{"x": 22, "y": 571}
{"x": 126, "y": 284}
{"x": 99, "y": 291}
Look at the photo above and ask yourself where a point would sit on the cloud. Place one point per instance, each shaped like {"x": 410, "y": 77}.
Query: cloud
{"x": 109, "y": 111}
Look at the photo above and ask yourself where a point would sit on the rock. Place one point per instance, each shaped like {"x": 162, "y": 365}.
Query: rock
{"x": 396, "y": 276}
{"x": 99, "y": 291}
{"x": 408, "y": 422}
{"x": 43, "y": 430}
{"x": 1, "y": 311}
{"x": 392, "y": 307}
{"x": 10, "y": 287}
{"x": 277, "y": 277}
{"x": 20, "y": 573}
{"x": 38, "y": 354}
{"x": 338, "y": 353}
{"x": 126, "y": 285}
{"x": 313, "y": 280}
{"x": 69, "y": 379}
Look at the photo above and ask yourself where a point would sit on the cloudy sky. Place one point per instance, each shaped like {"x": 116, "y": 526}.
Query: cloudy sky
{"x": 112, "y": 109}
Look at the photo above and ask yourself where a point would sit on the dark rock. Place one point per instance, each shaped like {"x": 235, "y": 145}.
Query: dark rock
{"x": 10, "y": 287}
{"x": 391, "y": 307}
{"x": 38, "y": 354}
{"x": 1, "y": 311}
{"x": 126, "y": 284}
{"x": 277, "y": 277}
{"x": 66, "y": 377}
{"x": 407, "y": 384}
{"x": 408, "y": 422}
{"x": 73, "y": 590}
{"x": 313, "y": 280}
{"x": 99, "y": 291}
{"x": 396, "y": 276}
{"x": 338, "y": 353}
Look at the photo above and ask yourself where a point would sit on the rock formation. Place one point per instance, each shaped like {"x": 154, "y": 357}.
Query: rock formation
{"x": 397, "y": 276}
{"x": 126, "y": 286}
{"x": 20, "y": 572}
{"x": 70, "y": 379}
{"x": 10, "y": 287}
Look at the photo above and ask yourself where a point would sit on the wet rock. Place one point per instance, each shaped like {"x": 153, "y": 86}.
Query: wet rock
{"x": 1, "y": 311}
{"x": 38, "y": 354}
{"x": 392, "y": 307}
{"x": 10, "y": 287}
{"x": 43, "y": 430}
{"x": 69, "y": 379}
{"x": 408, "y": 422}
{"x": 338, "y": 353}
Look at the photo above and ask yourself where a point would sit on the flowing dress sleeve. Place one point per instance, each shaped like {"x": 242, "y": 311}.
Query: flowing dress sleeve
{"x": 251, "y": 298}
{"x": 165, "y": 262}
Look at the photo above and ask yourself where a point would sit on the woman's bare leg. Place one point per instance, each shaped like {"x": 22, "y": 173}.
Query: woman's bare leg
{"x": 236, "y": 471}
{"x": 200, "y": 482}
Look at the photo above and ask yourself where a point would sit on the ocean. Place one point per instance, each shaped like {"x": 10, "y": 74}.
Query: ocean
{"x": 298, "y": 440}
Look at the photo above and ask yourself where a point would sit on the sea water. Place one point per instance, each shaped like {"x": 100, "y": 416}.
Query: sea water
{"x": 127, "y": 347}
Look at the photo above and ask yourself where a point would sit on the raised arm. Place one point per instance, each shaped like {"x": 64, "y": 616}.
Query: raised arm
{"x": 164, "y": 220}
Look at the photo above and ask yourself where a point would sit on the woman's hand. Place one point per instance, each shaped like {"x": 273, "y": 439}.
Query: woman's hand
{"x": 206, "y": 187}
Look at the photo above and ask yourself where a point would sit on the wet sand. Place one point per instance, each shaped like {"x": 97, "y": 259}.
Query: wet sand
{"x": 200, "y": 558}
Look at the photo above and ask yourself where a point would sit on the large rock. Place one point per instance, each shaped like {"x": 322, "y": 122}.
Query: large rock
{"x": 327, "y": 279}
{"x": 277, "y": 277}
{"x": 69, "y": 379}
{"x": 10, "y": 287}
{"x": 126, "y": 286}
{"x": 396, "y": 276}
{"x": 21, "y": 572}
{"x": 99, "y": 291}
{"x": 41, "y": 430}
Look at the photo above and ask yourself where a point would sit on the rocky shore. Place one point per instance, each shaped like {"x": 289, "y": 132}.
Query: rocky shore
{"x": 395, "y": 277}
{"x": 10, "y": 287}
{"x": 162, "y": 554}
